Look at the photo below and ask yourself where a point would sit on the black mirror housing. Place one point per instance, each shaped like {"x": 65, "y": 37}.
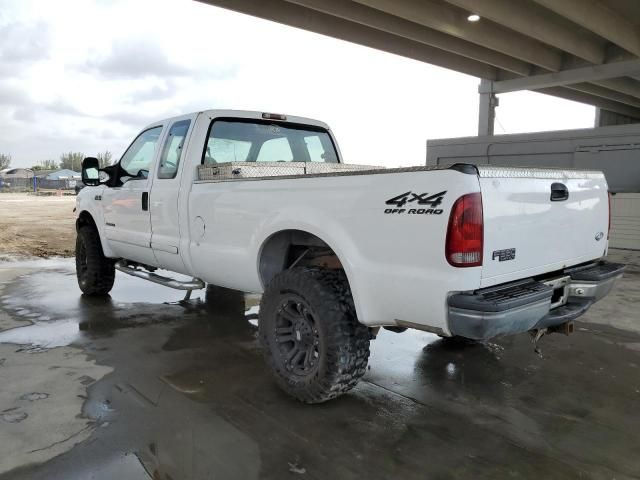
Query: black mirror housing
{"x": 91, "y": 171}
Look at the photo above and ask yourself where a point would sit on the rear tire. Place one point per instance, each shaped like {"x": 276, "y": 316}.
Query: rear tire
{"x": 96, "y": 273}
{"x": 310, "y": 336}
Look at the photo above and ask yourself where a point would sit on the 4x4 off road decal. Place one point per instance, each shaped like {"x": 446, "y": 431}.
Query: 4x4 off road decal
{"x": 411, "y": 199}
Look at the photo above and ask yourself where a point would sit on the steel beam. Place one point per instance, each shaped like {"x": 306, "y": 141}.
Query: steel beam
{"x": 595, "y": 16}
{"x": 628, "y": 86}
{"x": 297, "y": 16}
{"x": 379, "y": 20}
{"x": 336, "y": 19}
{"x": 592, "y": 73}
{"x": 576, "y": 96}
{"x": 603, "y": 92}
{"x": 533, "y": 21}
{"x": 453, "y": 21}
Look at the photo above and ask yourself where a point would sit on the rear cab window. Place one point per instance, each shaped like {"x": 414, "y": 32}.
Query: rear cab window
{"x": 240, "y": 140}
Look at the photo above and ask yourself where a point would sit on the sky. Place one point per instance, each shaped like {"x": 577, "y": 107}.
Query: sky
{"x": 88, "y": 75}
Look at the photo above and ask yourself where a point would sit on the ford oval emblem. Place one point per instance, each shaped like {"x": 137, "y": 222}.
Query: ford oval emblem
{"x": 599, "y": 236}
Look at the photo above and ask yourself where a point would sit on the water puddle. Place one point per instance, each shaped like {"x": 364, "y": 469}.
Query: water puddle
{"x": 43, "y": 335}
{"x": 46, "y": 295}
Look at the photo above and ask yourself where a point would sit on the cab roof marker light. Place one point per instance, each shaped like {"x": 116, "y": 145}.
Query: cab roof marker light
{"x": 274, "y": 116}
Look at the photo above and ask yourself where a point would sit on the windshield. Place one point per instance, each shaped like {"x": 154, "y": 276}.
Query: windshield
{"x": 264, "y": 141}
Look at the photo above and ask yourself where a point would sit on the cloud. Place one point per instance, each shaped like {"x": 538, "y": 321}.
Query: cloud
{"x": 134, "y": 118}
{"x": 154, "y": 92}
{"x": 21, "y": 43}
{"x": 11, "y": 95}
{"x": 24, "y": 114}
{"x": 134, "y": 59}
{"x": 63, "y": 107}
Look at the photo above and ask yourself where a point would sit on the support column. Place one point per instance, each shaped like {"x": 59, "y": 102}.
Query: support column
{"x": 488, "y": 103}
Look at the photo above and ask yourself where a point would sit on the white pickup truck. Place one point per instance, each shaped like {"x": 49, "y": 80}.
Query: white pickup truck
{"x": 262, "y": 203}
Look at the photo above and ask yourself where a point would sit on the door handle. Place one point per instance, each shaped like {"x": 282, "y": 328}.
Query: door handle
{"x": 145, "y": 201}
{"x": 559, "y": 192}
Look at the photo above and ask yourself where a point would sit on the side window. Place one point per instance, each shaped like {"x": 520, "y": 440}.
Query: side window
{"x": 275, "y": 150}
{"x": 137, "y": 160}
{"x": 172, "y": 150}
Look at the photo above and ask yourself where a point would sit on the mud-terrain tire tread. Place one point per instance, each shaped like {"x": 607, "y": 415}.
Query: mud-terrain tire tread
{"x": 101, "y": 273}
{"x": 346, "y": 340}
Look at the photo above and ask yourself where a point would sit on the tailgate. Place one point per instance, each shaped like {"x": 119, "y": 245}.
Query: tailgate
{"x": 527, "y": 233}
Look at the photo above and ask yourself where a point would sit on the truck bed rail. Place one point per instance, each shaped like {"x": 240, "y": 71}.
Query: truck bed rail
{"x": 244, "y": 170}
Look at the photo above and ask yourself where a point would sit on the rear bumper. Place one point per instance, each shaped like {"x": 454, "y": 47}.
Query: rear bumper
{"x": 527, "y": 305}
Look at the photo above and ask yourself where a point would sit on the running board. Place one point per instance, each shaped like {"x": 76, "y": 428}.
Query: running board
{"x": 195, "y": 284}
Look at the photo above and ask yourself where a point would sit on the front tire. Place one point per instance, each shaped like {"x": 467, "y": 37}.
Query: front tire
{"x": 96, "y": 273}
{"x": 310, "y": 336}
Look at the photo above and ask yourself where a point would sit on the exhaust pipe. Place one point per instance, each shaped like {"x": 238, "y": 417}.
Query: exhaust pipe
{"x": 195, "y": 284}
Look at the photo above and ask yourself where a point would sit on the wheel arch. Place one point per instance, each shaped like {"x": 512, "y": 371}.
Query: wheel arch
{"x": 286, "y": 248}
{"x": 85, "y": 217}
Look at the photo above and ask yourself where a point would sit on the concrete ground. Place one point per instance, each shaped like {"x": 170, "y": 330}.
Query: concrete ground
{"x": 137, "y": 386}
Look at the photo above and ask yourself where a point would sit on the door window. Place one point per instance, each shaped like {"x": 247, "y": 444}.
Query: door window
{"x": 172, "y": 151}
{"x": 137, "y": 160}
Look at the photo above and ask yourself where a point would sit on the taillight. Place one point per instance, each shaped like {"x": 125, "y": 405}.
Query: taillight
{"x": 465, "y": 232}
{"x": 609, "y": 228}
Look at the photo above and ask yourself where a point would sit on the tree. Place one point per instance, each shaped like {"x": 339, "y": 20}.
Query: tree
{"x": 46, "y": 165}
{"x": 72, "y": 161}
{"x": 104, "y": 158}
{"x": 5, "y": 161}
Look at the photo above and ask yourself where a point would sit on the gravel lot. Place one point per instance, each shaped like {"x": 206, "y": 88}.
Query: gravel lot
{"x": 36, "y": 225}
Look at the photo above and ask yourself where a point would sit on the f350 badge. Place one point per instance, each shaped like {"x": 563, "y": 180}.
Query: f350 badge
{"x": 504, "y": 255}
{"x": 421, "y": 199}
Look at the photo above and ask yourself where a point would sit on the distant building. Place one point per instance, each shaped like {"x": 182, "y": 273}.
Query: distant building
{"x": 64, "y": 174}
{"x": 10, "y": 173}
{"x": 23, "y": 178}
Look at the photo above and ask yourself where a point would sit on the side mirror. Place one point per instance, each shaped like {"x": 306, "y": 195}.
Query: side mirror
{"x": 91, "y": 171}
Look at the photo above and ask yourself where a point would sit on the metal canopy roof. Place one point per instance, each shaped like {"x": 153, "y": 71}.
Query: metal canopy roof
{"x": 582, "y": 50}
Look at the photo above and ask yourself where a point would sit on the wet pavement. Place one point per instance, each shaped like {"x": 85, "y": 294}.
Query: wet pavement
{"x": 139, "y": 386}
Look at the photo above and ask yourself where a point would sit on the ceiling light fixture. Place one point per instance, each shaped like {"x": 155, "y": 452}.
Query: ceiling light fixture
{"x": 473, "y": 17}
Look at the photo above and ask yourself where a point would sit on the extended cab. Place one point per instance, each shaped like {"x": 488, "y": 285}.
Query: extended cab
{"x": 263, "y": 203}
